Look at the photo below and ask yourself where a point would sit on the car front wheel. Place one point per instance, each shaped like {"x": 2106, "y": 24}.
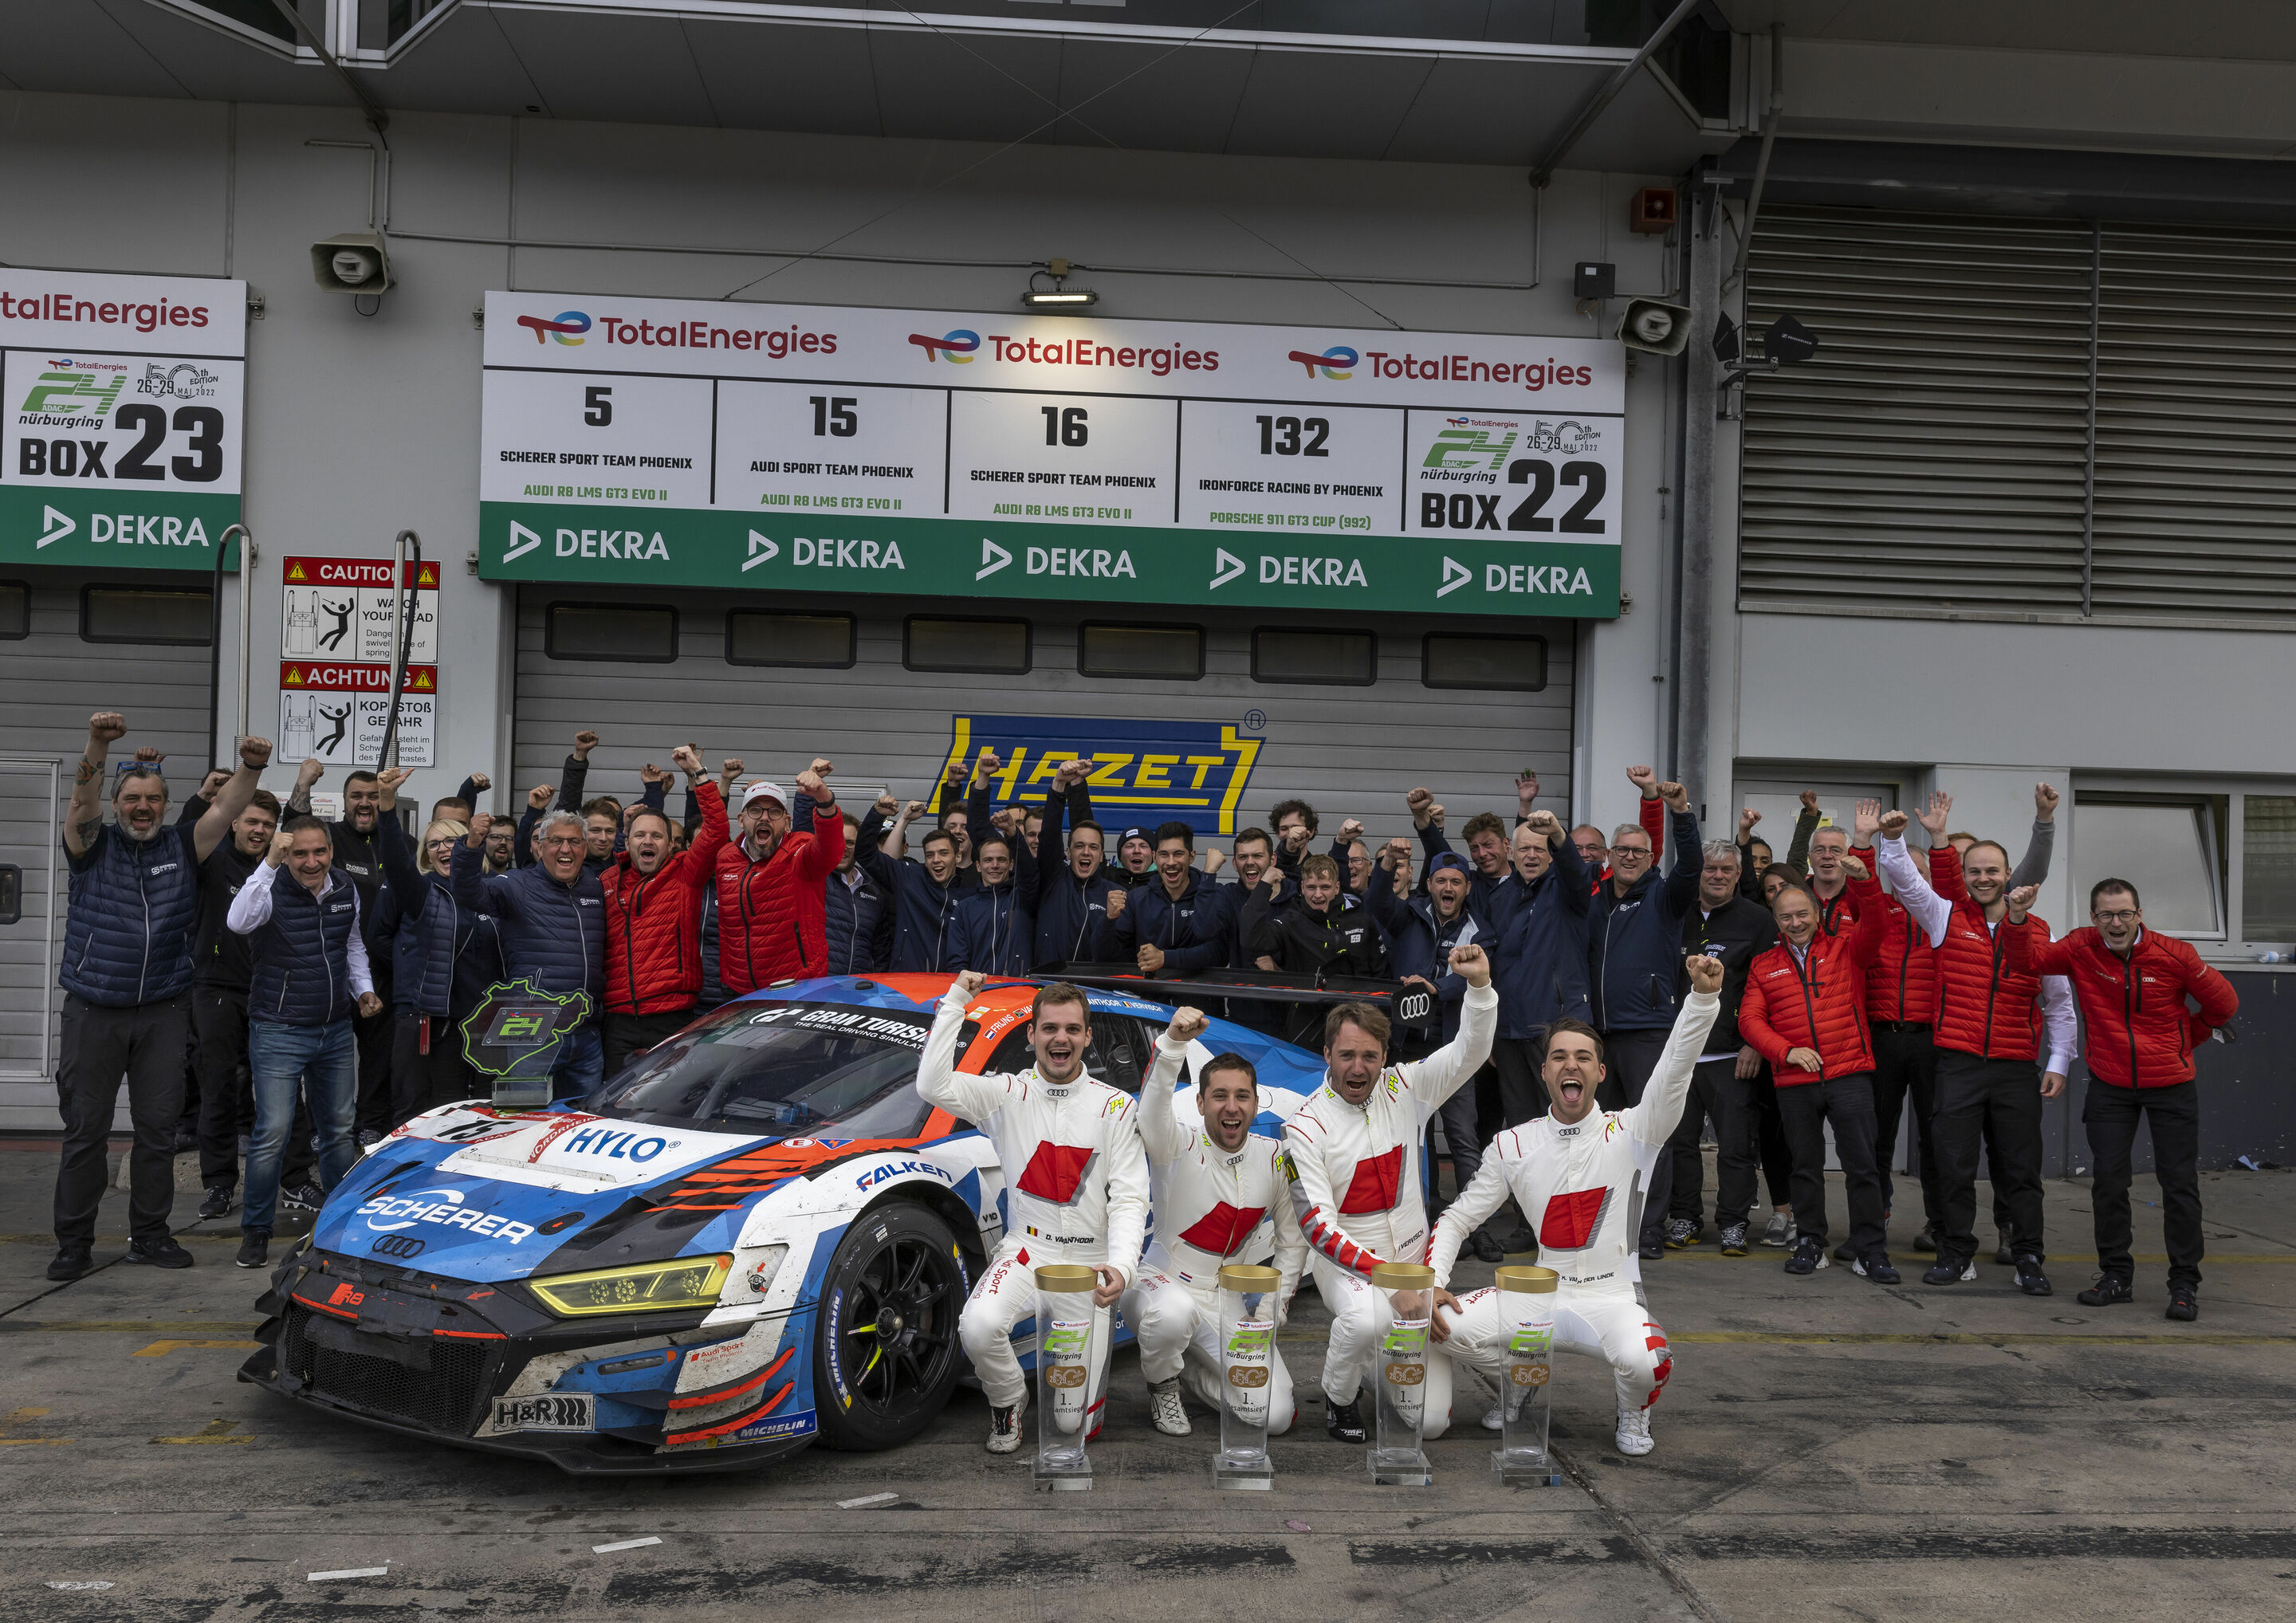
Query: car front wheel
{"x": 887, "y": 1355}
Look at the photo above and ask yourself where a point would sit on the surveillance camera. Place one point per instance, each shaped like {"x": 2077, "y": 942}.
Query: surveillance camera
{"x": 352, "y": 263}
{"x": 1654, "y": 327}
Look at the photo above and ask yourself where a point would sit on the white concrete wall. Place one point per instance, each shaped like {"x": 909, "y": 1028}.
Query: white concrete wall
{"x": 361, "y": 426}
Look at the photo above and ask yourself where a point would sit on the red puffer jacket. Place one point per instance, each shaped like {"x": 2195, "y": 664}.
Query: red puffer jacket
{"x": 653, "y": 921}
{"x": 1816, "y": 1001}
{"x": 772, "y": 915}
{"x": 1985, "y": 1006}
{"x": 2139, "y": 1033}
{"x": 1902, "y": 983}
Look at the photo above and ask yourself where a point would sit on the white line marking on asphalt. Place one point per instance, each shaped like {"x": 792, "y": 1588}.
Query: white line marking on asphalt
{"x": 626, "y": 1543}
{"x": 321, "y": 1577}
{"x": 856, "y": 1504}
{"x": 79, "y": 1583}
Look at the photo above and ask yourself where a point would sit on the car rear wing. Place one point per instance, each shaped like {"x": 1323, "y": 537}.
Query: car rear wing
{"x": 1409, "y": 1007}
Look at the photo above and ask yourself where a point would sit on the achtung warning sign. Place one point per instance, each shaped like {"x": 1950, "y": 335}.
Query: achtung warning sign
{"x": 337, "y": 711}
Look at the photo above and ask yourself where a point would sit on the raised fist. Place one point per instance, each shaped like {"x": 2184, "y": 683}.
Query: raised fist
{"x": 254, "y": 752}
{"x": 2045, "y": 802}
{"x": 822, "y": 767}
{"x": 809, "y": 785}
{"x": 1705, "y": 972}
{"x": 149, "y": 754}
{"x": 1115, "y": 905}
{"x": 585, "y": 741}
{"x": 1419, "y": 801}
{"x": 956, "y": 773}
{"x": 1435, "y": 815}
{"x": 481, "y": 821}
{"x": 390, "y": 778}
{"x": 1350, "y": 831}
{"x": 886, "y": 804}
{"x": 1643, "y": 779}
{"x": 480, "y": 781}
{"x": 1546, "y": 825}
{"x": 1677, "y": 798}
{"x": 684, "y": 759}
{"x": 913, "y": 810}
{"x": 990, "y": 761}
{"x": 1809, "y": 799}
{"x": 1471, "y": 965}
{"x": 216, "y": 779}
{"x": 730, "y": 768}
{"x": 1746, "y": 821}
{"x": 1398, "y": 853}
{"x": 105, "y": 726}
{"x": 1187, "y": 1025}
{"x": 537, "y": 798}
{"x": 1214, "y": 860}
{"x": 2021, "y": 902}
{"x": 968, "y": 983}
{"x": 280, "y": 840}
{"x": 1892, "y": 825}
{"x": 1855, "y": 868}
{"x": 310, "y": 773}
{"x": 651, "y": 774}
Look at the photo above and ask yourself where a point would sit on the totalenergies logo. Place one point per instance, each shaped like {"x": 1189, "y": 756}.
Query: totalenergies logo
{"x": 956, "y": 347}
{"x": 1337, "y": 363}
{"x": 567, "y": 326}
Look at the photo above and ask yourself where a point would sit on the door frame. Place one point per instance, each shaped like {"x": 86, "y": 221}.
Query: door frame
{"x": 54, "y": 767}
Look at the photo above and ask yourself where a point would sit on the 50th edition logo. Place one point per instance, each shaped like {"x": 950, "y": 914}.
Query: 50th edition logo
{"x": 181, "y": 381}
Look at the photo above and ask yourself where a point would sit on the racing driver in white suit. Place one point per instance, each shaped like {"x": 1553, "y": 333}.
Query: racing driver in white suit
{"x": 1578, "y": 1175}
{"x": 1076, "y": 1184}
{"x": 1221, "y": 1196}
{"x": 1354, "y": 1145}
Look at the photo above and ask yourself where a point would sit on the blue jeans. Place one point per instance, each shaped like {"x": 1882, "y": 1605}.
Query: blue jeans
{"x": 325, "y": 1060}
{"x": 580, "y": 1065}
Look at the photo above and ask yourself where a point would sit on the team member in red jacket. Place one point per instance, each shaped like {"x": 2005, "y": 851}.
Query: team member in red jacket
{"x": 1900, "y": 1014}
{"x": 1804, "y": 1011}
{"x": 2132, "y": 985}
{"x": 653, "y": 919}
{"x": 771, "y": 885}
{"x": 1988, "y": 1031}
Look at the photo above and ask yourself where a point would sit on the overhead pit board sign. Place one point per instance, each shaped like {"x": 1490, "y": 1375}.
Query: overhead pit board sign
{"x": 119, "y": 418}
{"x": 846, "y": 449}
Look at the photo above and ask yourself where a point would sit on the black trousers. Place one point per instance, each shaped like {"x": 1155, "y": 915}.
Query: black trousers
{"x": 626, "y": 1034}
{"x": 1748, "y": 1134}
{"x": 420, "y": 1081}
{"x": 1630, "y": 1057}
{"x": 1999, "y": 1101}
{"x": 144, "y": 1044}
{"x": 1777, "y": 1159}
{"x": 1847, "y": 1103}
{"x": 1905, "y": 1066}
{"x": 374, "y": 1036}
{"x": 1520, "y": 1064}
{"x": 1710, "y": 1085}
{"x": 2110, "y": 1113}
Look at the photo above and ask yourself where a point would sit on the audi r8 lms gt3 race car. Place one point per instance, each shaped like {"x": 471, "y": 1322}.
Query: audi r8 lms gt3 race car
{"x": 757, "y": 1235}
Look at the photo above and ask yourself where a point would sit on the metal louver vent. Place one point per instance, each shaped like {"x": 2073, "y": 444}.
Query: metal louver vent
{"x": 2023, "y": 417}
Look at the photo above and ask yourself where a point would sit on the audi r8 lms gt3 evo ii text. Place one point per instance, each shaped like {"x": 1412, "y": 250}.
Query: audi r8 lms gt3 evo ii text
{"x": 757, "y": 1235}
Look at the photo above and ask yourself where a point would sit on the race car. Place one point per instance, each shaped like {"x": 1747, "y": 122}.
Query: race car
{"x": 757, "y": 1236}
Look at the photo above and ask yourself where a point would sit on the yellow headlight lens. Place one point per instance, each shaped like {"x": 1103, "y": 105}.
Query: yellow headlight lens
{"x": 650, "y": 1287}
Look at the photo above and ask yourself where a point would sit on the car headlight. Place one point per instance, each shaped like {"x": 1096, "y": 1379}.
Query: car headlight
{"x": 646, "y": 1287}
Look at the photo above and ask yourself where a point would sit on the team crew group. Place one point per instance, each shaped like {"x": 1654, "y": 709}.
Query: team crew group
{"x": 322, "y": 966}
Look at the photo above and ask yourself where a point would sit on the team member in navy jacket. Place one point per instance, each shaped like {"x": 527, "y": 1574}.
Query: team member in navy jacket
{"x": 310, "y": 973}
{"x": 446, "y": 958}
{"x": 993, "y": 932}
{"x": 925, "y": 893}
{"x": 1633, "y": 965}
{"x": 856, "y": 928}
{"x": 1540, "y": 958}
{"x": 1076, "y": 902}
{"x": 127, "y": 977}
{"x": 1179, "y": 923}
{"x": 552, "y": 923}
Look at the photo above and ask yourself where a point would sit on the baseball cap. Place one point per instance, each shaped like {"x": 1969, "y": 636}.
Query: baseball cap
{"x": 1448, "y": 859}
{"x": 764, "y": 790}
{"x": 1134, "y": 833}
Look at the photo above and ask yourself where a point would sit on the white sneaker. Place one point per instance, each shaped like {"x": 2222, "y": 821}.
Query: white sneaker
{"x": 1494, "y": 1421}
{"x": 1004, "y": 1426}
{"x": 1634, "y": 1435}
{"x": 1164, "y": 1407}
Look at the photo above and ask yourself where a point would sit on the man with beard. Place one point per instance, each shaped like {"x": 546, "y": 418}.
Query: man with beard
{"x": 357, "y": 840}
{"x": 771, "y": 885}
{"x": 1179, "y": 926}
{"x": 925, "y": 893}
{"x": 127, "y": 975}
{"x": 1077, "y": 901}
{"x": 653, "y": 920}
{"x": 995, "y": 929}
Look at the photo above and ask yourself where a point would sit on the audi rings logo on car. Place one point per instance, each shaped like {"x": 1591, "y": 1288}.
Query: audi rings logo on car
{"x": 398, "y": 1245}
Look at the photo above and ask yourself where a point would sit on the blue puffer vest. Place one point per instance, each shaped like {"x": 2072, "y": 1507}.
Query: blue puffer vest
{"x": 554, "y": 935}
{"x": 456, "y": 954}
{"x": 303, "y": 953}
{"x": 133, "y": 910}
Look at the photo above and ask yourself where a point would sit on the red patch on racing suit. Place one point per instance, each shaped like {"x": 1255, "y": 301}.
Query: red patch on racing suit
{"x": 1055, "y": 1172}
{"x": 1375, "y": 1184}
{"x": 1569, "y": 1220}
{"x": 1219, "y": 1231}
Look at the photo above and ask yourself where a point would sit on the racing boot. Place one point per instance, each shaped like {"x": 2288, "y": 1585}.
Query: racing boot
{"x": 1634, "y": 1435}
{"x": 1164, "y": 1407}
{"x": 1343, "y": 1420}
{"x": 1004, "y": 1426}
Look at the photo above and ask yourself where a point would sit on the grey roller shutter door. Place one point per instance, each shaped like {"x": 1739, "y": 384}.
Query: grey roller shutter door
{"x": 1347, "y": 750}
{"x": 2196, "y": 425}
{"x": 55, "y": 683}
{"x": 1931, "y": 457}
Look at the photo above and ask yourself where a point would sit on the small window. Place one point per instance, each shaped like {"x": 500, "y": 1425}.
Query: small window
{"x": 1496, "y": 660}
{"x": 993, "y": 648}
{"x": 1140, "y": 650}
{"x": 2267, "y": 886}
{"x": 1341, "y": 658}
{"x": 159, "y": 615}
{"x": 759, "y": 636}
{"x": 641, "y": 633}
{"x": 2167, "y": 849}
{"x": 15, "y": 610}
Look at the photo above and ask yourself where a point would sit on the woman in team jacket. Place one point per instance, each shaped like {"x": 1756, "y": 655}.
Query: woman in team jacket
{"x": 653, "y": 920}
{"x": 1804, "y": 1011}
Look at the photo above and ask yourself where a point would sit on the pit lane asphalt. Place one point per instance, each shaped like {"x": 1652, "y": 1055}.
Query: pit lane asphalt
{"x": 1826, "y": 1448}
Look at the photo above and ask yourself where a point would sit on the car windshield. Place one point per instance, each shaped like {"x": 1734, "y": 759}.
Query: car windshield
{"x": 790, "y": 1069}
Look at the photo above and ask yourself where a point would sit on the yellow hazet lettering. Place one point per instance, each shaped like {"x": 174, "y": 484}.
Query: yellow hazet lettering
{"x": 1203, "y": 764}
{"x": 1155, "y": 772}
{"x": 1102, "y": 776}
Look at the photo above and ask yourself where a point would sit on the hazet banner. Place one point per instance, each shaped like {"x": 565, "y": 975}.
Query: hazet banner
{"x": 924, "y": 453}
{"x": 1149, "y": 772}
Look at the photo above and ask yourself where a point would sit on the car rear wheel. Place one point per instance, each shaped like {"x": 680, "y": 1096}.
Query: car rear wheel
{"x": 887, "y": 1354}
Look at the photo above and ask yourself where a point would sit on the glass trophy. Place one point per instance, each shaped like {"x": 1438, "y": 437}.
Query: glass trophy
{"x": 1526, "y": 1304}
{"x": 1068, "y": 1336}
{"x": 1248, "y": 1300}
{"x": 1399, "y": 1377}
{"x": 513, "y": 1037}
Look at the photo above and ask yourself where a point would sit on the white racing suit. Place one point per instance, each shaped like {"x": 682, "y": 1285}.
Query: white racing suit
{"x": 1076, "y": 1185}
{"x": 1355, "y": 1186}
{"x": 1213, "y": 1207}
{"x": 1583, "y": 1188}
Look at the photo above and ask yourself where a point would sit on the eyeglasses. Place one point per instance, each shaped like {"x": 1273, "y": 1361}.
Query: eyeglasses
{"x": 439, "y": 845}
{"x": 1621, "y": 852}
{"x": 2119, "y": 916}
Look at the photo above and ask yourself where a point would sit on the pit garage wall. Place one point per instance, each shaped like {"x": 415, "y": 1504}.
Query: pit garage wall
{"x": 359, "y": 426}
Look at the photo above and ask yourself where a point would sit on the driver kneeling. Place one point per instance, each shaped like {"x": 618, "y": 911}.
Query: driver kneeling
{"x": 1076, "y": 1180}
{"x": 1221, "y": 1196}
{"x": 1579, "y": 1173}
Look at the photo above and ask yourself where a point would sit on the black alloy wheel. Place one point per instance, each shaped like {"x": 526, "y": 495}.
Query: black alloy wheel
{"x": 888, "y": 1355}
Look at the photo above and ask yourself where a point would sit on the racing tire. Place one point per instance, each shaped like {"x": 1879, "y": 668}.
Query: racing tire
{"x": 888, "y": 1355}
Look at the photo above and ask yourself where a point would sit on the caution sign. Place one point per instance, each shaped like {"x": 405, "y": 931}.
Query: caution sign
{"x": 337, "y": 711}
{"x": 343, "y": 609}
